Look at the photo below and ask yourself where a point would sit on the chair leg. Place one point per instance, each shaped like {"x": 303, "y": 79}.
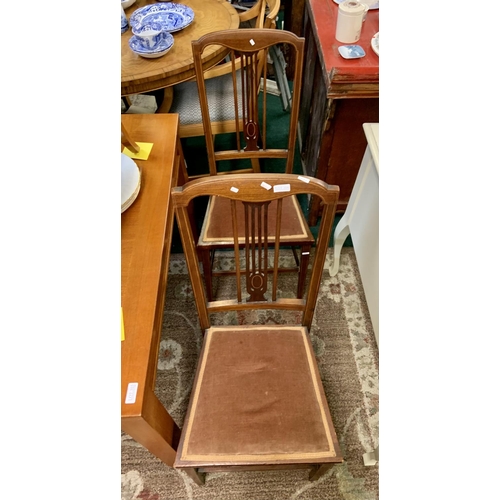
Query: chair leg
{"x": 304, "y": 262}
{"x": 206, "y": 262}
{"x": 197, "y": 477}
{"x": 319, "y": 470}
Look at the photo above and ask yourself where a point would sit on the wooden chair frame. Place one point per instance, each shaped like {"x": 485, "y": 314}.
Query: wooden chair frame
{"x": 247, "y": 188}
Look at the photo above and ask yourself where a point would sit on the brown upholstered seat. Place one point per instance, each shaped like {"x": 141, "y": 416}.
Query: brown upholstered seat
{"x": 257, "y": 401}
{"x": 217, "y": 228}
{"x": 259, "y": 398}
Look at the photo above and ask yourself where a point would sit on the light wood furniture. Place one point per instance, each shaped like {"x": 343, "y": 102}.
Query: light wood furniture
{"x": 139, "y": 75}
{"x": 146, "y": 232}
{"x": 338, "y": 96}
{"x": 219, "y": 92}
{"x": 258, "y": 401}
{"x": 361, "y": 222}
{"x": 251, "y": 139}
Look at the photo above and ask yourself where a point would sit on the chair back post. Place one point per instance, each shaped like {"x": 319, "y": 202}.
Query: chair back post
{"x": 294, "y": 119}
{"x": 326, "y": 226}
{"x": 188, "y": 244}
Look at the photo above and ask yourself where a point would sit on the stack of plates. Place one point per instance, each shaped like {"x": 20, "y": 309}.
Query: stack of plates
{"x": 131, "y": 181}
{"x": 141, "y": 47}
{"x": 170, "y": 16}
{"x": 173, "y": 16}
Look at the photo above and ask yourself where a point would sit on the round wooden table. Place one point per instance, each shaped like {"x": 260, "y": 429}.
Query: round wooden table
{"x": 142, "y": 75}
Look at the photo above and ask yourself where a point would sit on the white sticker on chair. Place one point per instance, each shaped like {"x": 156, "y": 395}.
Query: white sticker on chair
{"x": 252, "y": 42}
{"x": 234, "y": 190}
{"x": 265, "y": 185}
{"x": 281, "y": 188}
{"x": 303, "y": 179}
{"x": 131, "y": 393}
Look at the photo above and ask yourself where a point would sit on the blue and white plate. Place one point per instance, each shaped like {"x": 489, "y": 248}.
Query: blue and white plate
{"x": 351, "y": 51}
{"x": 140, "y": 46}
{"x": 371, "y": 7}
{"x": 173, "y": 16}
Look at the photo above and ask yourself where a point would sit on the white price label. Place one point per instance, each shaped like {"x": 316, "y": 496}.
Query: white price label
{"x": 281, "y": 188}
{"x": 131, "y": 393}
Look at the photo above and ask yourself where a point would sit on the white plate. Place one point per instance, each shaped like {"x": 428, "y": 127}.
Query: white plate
{"x": 372, "y": 7}
{"x": 131, "y": 181}
{"x": 127, "y": 3}
{"x": 375, "y": 43}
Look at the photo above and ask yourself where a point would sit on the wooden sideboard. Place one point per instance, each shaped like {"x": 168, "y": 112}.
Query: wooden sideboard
{"x": 338, "y": 96}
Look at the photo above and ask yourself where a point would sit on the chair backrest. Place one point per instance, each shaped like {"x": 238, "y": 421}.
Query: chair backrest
{"x": 251, "y": 47}
{"x": 256, "y": 191}
{"x": 262, "y": 14}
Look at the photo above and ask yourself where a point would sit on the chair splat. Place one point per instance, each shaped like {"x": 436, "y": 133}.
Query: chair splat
{"x": 256, "y": 247}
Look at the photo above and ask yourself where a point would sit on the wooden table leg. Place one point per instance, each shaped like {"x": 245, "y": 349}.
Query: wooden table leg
{"x": 154, "y": 429}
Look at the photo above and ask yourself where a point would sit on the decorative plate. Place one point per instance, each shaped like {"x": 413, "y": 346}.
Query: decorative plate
{"x": 375, "y": 43}
{"x": 371, "y": 7}
{"x": 351, "y": 51}
{"x": 141, "y": 47}
{"x": 173, "y": 16}
{"x": 131, "y": 181}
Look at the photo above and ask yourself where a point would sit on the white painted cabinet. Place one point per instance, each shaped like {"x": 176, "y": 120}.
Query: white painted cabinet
{"x": 361, "y": 222}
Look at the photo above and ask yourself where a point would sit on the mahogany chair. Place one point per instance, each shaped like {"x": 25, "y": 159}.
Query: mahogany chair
{"x": 252, "y": 47}
{"x": 218, "y": 85}
{"x": 257, "y": 401}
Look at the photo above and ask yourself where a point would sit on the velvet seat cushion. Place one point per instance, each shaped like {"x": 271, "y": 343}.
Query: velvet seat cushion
{"x": 218, "y": 226}
{"x": 257, "y": 398}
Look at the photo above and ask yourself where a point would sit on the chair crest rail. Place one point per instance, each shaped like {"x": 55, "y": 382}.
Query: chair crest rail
{"x": 258, "y": 188}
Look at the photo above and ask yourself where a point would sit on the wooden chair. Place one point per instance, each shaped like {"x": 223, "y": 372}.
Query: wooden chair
{"x": 219, "y": 90}
{"x": 257, "y": 401}
{"x": 251, "y": 46}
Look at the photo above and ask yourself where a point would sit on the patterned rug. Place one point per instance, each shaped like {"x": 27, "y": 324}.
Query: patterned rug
{"x": 347, "y": 357}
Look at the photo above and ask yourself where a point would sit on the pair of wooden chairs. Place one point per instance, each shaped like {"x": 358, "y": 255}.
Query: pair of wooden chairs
{"x": 246, "y": 89}
{"x": 257, "y": 402}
